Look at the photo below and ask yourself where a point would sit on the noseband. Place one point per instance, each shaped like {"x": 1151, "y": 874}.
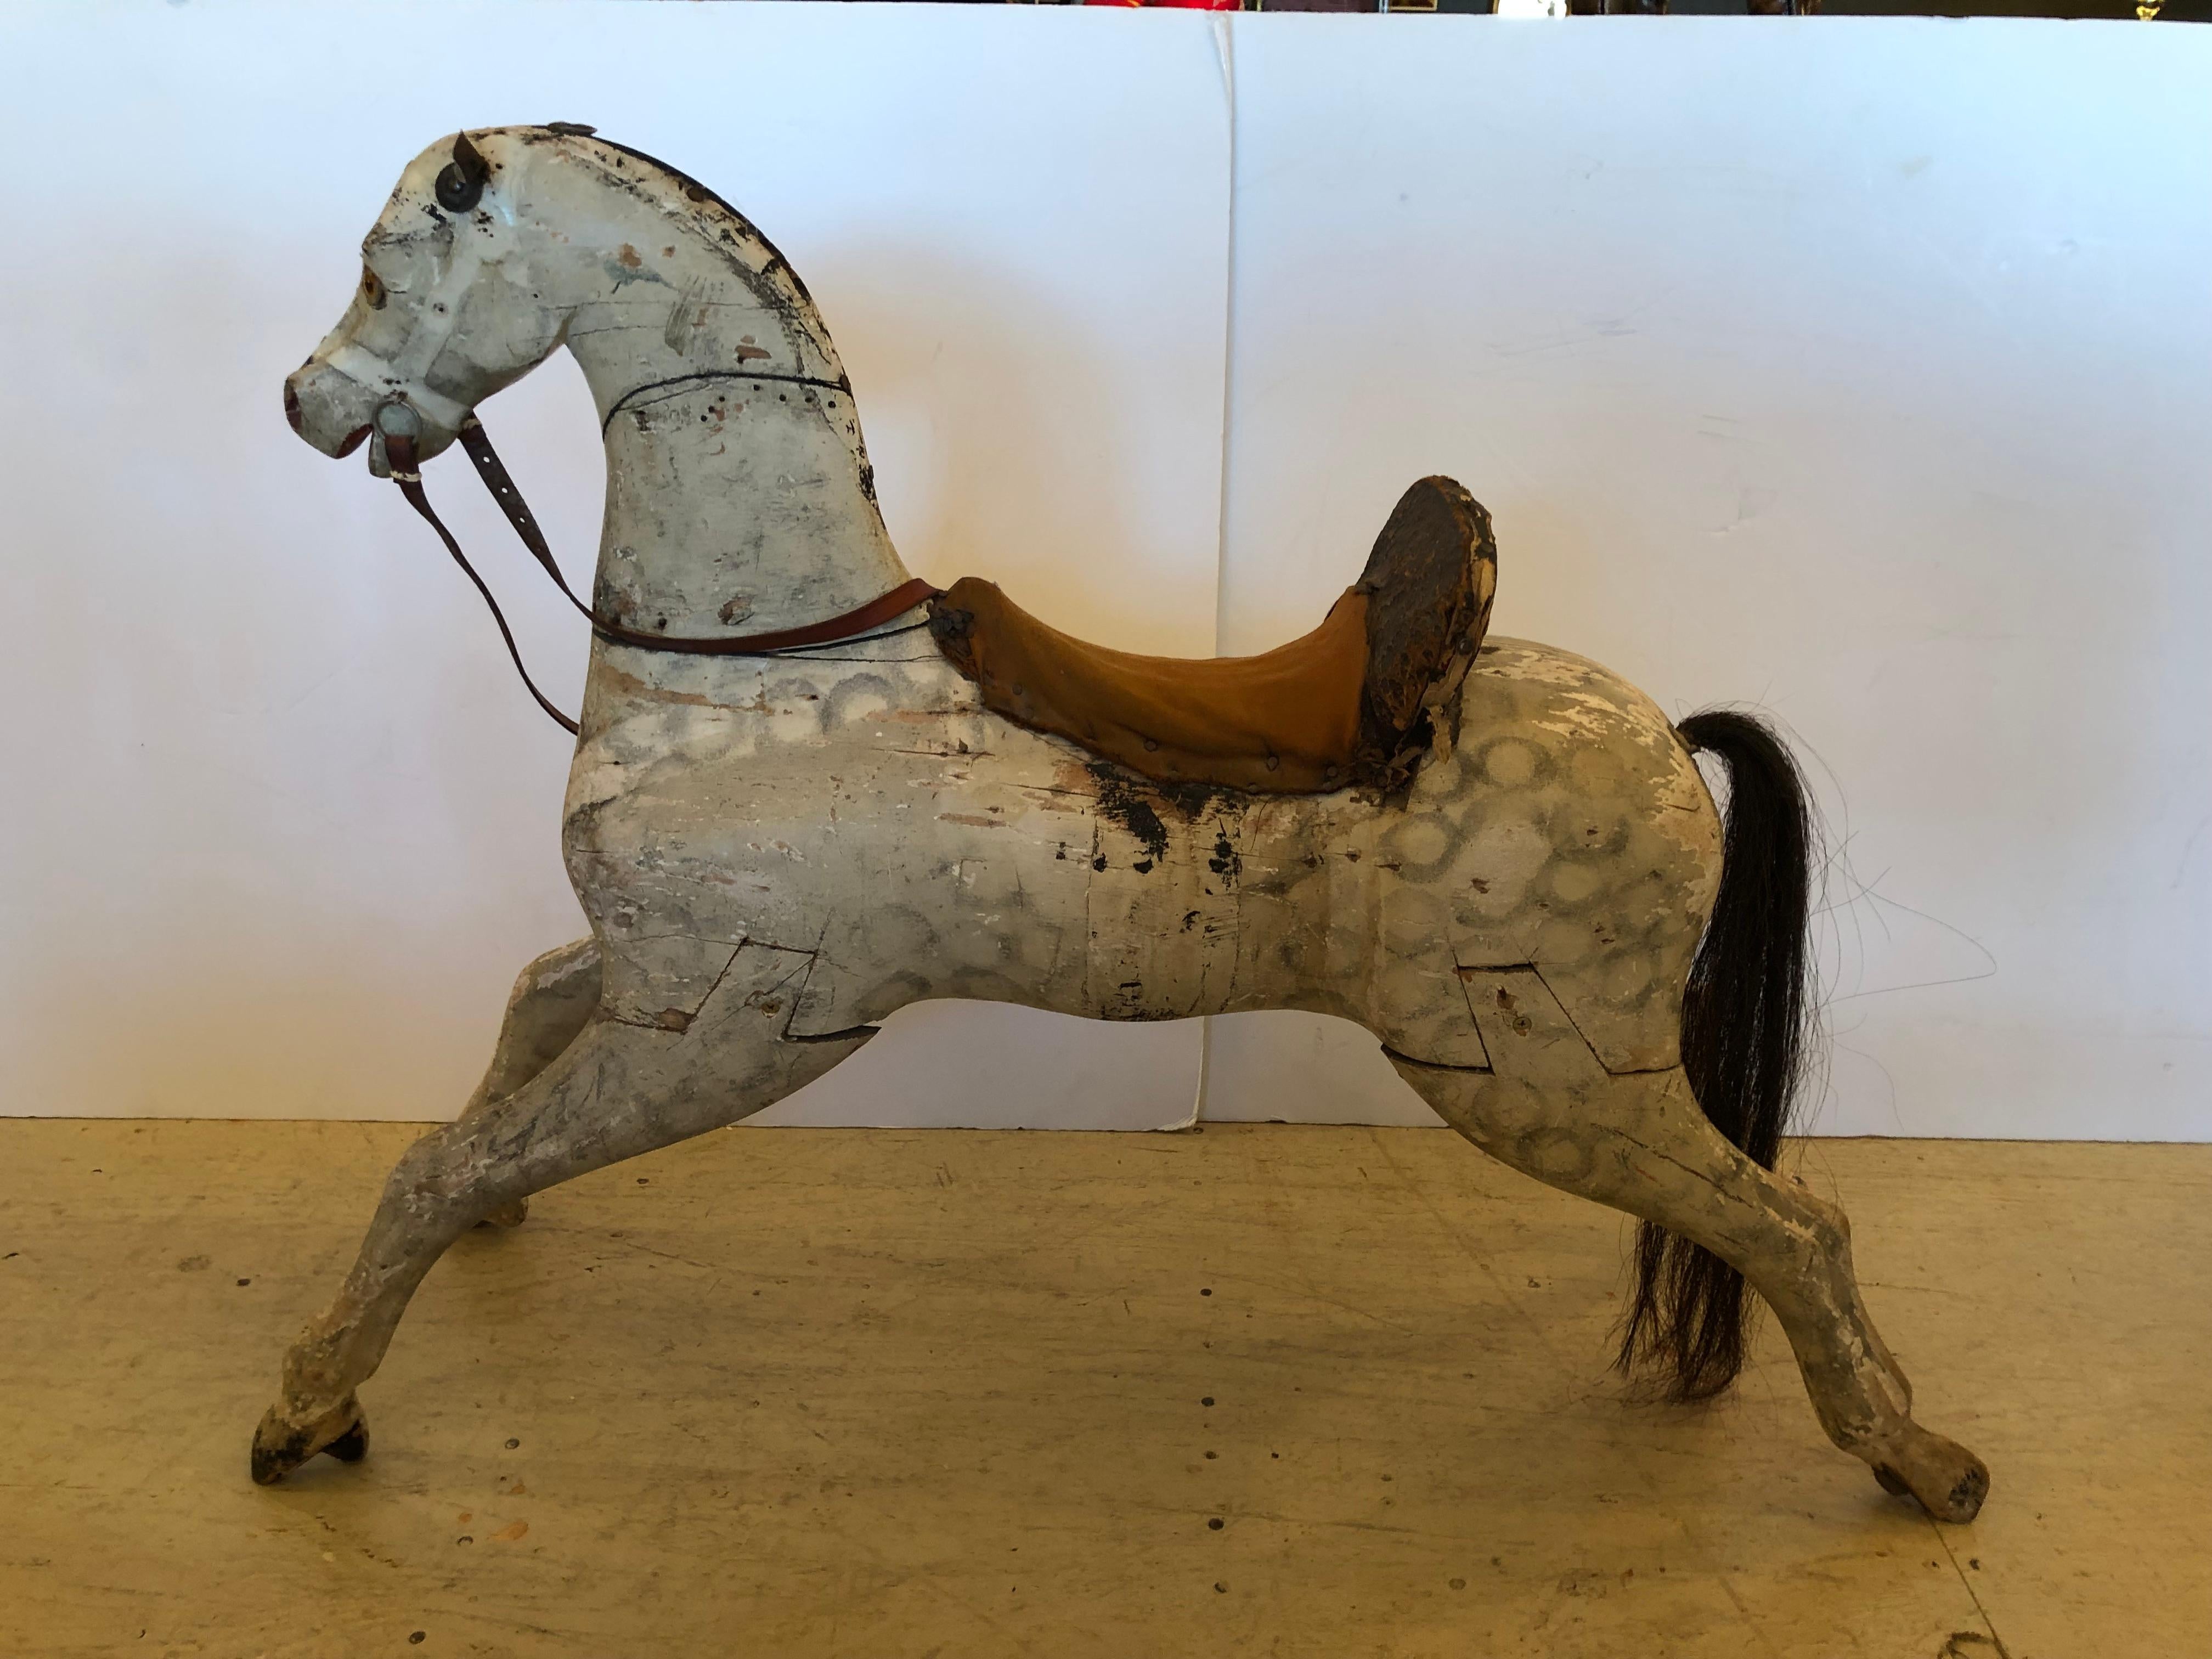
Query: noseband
{"x": 397, "y": 428}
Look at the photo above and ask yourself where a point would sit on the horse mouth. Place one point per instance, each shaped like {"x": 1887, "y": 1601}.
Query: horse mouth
{"x": 351, "y": 441}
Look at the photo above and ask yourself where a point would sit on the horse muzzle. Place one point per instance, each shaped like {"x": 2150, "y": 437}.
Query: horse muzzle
{"x": 332, "y": 410}
{"x": 337, "y": 413}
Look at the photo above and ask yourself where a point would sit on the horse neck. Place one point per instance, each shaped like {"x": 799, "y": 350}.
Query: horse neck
{"x": 739, "y": 489}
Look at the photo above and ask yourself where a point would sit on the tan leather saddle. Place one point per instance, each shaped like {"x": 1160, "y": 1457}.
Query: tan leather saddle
{"x": 1347, "y": 706}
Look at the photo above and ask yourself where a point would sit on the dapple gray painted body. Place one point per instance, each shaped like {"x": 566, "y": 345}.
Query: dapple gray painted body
{"x": 775, "y": 853}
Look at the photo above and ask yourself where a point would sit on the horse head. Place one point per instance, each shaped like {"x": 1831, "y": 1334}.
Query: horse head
{"x": 498, "y": 245}
{"x": 739, "y": 484}
{"x": 453, "y": 304}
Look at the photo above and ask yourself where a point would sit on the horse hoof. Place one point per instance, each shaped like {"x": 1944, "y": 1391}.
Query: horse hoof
{"x": 280, "y": 1446}
{"x": 507, "y": 1215}
{"x": 353, "y": 1445}
{"x": 1949, "y": 1481}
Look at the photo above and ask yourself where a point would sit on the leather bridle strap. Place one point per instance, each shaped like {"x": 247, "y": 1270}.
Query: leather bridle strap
{"x": 399, "y": 450}
{"x": 903, "y": 598}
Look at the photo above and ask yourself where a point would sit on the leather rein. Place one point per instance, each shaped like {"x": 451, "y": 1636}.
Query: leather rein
{"x": 399, "y": 450}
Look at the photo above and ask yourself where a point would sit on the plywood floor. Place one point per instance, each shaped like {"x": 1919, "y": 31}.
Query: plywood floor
{"x": 1253, "y": 1391}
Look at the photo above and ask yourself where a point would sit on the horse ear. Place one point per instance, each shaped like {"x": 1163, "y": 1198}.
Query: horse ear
{"x": 460, "y": 184}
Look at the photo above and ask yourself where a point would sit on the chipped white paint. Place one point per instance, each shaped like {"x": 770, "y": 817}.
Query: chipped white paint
{"x": 775, "y": 853}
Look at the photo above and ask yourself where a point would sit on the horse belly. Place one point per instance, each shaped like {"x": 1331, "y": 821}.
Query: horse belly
{"x": 1033, "y": 875}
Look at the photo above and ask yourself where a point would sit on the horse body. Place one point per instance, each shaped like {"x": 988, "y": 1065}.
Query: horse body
{"x": 870, "y": 818}
{"x": 776, "y": 853}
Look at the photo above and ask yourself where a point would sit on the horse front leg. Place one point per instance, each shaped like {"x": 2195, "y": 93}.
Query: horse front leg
{"x": 615, "y": 1090}
{"x": 553, "y": 999}
{"x": 1639, "y": 1142}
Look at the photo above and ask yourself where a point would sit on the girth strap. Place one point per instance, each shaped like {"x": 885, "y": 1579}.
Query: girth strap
{"x": 406, "y": 472}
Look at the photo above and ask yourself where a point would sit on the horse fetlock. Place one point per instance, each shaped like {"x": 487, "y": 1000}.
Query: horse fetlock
{"x": 1855, "y": 1419}
{"x": 314, "y": 1378}
{"x": 1900, "y": 1385}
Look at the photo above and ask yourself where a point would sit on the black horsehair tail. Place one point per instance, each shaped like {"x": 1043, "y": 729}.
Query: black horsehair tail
{"x": 1747, "y": 1011}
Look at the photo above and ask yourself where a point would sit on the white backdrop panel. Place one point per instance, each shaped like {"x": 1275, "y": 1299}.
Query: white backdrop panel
{"x": 283, "y": 826}
{"x": 1855, "y": 368}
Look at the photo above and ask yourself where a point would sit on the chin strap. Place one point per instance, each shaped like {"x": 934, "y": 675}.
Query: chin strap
{"x": 399, "y": 450}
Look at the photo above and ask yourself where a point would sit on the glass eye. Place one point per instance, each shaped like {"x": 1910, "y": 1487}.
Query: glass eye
{"x": 372, "y": 289}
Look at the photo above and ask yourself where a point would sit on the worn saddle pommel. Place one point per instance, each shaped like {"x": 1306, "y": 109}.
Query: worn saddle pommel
{"x": 1347, "y": 706}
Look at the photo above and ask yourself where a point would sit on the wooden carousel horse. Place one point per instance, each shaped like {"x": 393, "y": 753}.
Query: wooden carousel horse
{"x": 809, "y": 789}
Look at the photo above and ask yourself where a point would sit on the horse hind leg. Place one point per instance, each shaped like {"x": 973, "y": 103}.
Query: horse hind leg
{"x": 616, "y": 1089}
{"x": 553, "y": 999}
{"x": 1639, "y": 1142}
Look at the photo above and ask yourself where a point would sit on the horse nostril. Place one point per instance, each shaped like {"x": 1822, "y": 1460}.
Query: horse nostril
{"x": 291, "y": 406}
